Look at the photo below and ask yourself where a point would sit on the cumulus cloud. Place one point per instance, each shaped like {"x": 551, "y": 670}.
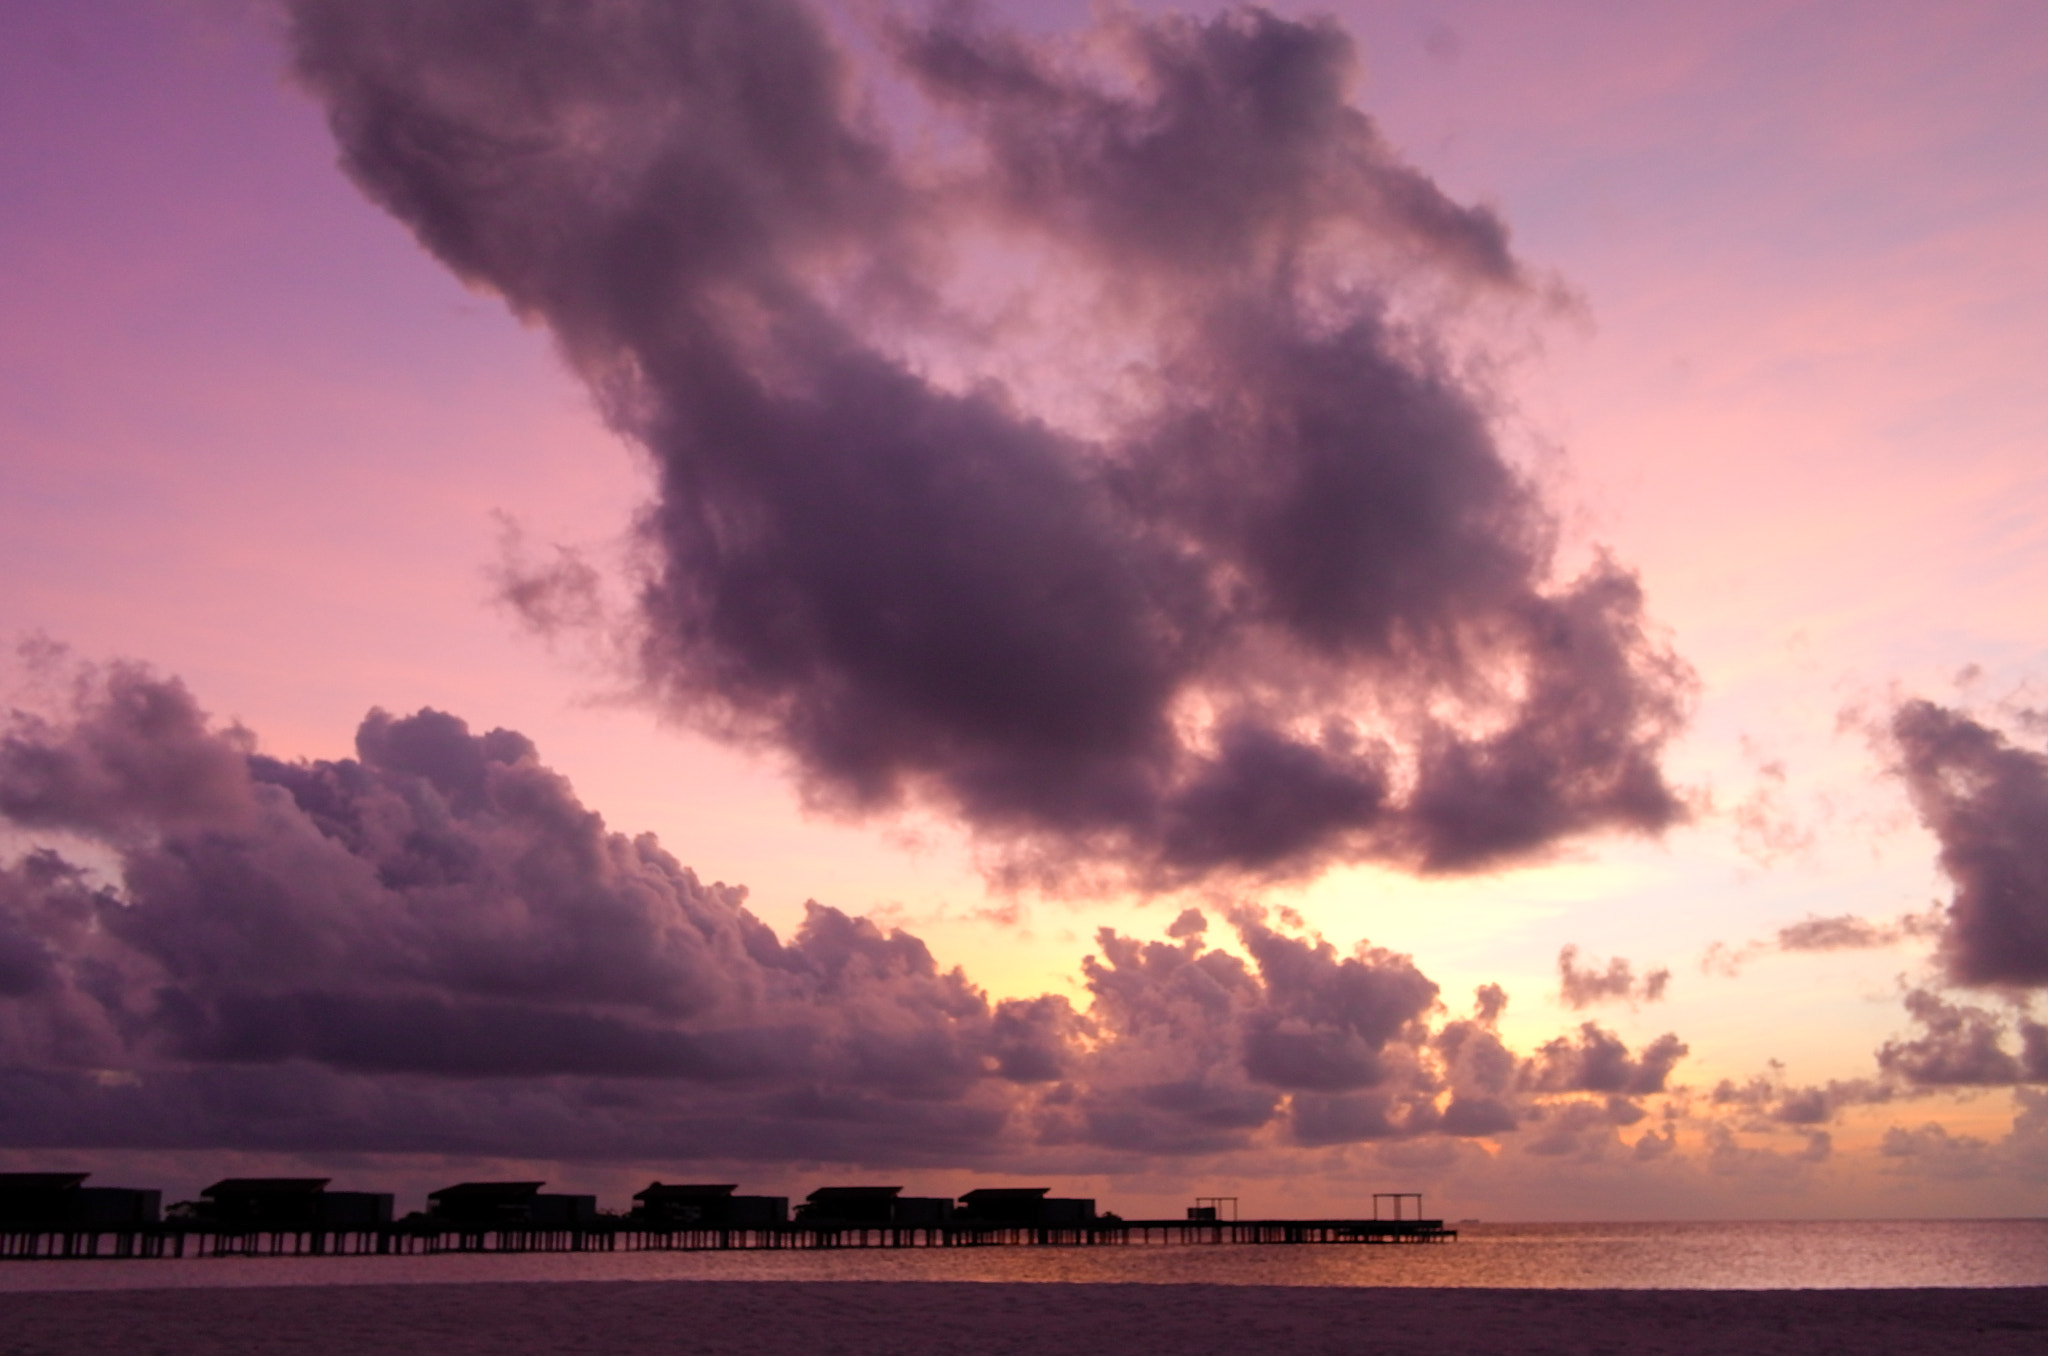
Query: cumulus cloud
{"x": 1589, "y": 1130}
{"x": 1597, "y": 1060}
{"x": 1767, "y": 1101}
{"x": 136, "y": 756}
{"x": 1962, "y": 1045}
{"x": 1481, "y": 1072}
{"x": 1931, "y": 1150}
{"x": 1728, "y": 1156}
{"x": 1201, "y": 1048}
{"x": 1985, "y": 800}
{"x": 1954, "y": 1047}
{"x": 433, "y": 946}
{"x": 2034, "y": 1050}
{"x": 1100, "y": 462}
{"x": 1582, "y": 986}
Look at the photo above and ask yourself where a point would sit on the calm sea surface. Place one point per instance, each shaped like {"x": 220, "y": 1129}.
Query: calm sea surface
{"x": 1701, "y": 1256}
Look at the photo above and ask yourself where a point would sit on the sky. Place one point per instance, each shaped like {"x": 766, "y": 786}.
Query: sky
{"x": 1159, "y": 600}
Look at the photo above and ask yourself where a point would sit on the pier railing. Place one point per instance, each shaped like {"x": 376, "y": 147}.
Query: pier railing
{"x": 179, "y": 1238}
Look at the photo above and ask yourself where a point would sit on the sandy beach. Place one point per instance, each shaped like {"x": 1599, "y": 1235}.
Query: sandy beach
{"x": 784, "y": 1319}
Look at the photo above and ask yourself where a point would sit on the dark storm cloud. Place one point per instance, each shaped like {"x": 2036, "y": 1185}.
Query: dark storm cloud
{"x": 1582, "y": 986}
{"x": 1285, "y": 602}
{"x": 435, "y": 947}
{"x": 1986, "y": 802}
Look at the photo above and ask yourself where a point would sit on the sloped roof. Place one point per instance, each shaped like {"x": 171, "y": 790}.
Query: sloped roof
{"x": 268, "y": 1186}
{"x": 487, "y": 1191}
{"x": 41, "y": 1181}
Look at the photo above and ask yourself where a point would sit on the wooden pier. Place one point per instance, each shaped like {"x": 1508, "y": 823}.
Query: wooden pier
{"x": 53, "y": 1216}
{"x": 407, "y": 1238}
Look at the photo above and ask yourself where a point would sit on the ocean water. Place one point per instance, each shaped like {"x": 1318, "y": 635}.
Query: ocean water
{"x": 1778, "y": 1255}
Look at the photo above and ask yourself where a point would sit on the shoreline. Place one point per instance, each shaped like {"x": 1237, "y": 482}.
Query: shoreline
{"x": 807, "y": 1318}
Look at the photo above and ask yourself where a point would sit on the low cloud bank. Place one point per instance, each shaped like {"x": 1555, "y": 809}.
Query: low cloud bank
{"x": 435, "y": 947}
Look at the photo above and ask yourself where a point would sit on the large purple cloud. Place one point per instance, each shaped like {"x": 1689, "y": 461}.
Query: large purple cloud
{"x": 1256, "y": 592}
{"x": 434, "y": 946}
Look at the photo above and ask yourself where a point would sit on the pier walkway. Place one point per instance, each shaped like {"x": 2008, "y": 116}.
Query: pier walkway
{"x": 413, "y": 1238}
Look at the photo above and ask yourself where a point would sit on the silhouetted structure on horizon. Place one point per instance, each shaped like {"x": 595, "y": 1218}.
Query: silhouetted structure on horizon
{"x": 873, "y": 1207}
{"x": 487, "y": 1205}
{"x": 1025, "y": 1208}
{"x": 280, "y": 1204}
{"x": 61, "y": 1200}
{"x": 706, "y": 1206}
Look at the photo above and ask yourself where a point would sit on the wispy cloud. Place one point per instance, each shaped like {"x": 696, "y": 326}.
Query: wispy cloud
{"x": 1838, "y": 932}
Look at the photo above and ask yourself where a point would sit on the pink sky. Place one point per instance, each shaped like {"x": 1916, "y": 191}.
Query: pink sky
{"x": 252, "y": 435}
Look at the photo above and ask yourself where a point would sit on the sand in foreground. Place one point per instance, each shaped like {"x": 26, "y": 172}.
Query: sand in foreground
{"x": 826, "y": 1319}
